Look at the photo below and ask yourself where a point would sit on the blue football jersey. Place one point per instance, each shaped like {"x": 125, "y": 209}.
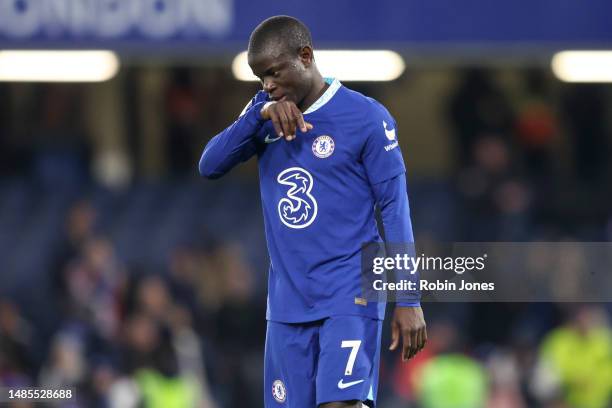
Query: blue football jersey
{"x": 318, "y": 200}
{"x": 319, "y": 207}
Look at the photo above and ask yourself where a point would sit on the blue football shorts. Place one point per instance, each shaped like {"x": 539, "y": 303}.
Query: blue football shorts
{"x": 334, "y": 359}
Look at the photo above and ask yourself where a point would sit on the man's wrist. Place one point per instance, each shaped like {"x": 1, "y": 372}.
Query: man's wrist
{"x": 408, "y": 304}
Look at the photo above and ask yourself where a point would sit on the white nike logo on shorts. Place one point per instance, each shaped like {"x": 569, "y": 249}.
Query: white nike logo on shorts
{"x": 268, "y": 139}
{"x": 343, "y": 385}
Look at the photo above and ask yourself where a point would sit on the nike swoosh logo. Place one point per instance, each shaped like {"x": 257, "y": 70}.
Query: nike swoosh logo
{"x": 389, "y": 133}
{"x": 343, "y": 385}
{"x": 268, "y": 139}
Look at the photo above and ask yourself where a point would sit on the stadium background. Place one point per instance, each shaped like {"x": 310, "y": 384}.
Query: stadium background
{"x": 126, "y": 276}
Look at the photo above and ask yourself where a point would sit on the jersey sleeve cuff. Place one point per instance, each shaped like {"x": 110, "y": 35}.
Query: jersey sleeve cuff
{"x": 408, "y": 304}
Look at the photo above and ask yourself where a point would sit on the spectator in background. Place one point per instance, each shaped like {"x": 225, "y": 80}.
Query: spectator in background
{"x": 475, "y": 108}
{"x": 153, "y": 367}
{"x": 190, "y": 359}
{"x": 453, "y": 380}
{"x": 164, "y": 362}
{"x": 162, "y": 349}
{"x": 238, "y": 332}
{"x": 15, "y": 346}
{"x": 450, "y": 378}
{"x": 102, "y": 375}
{"x": 78, "y": 229}
{"x": 96, "y": 281}
{"x": 537, "y": 131}
{"x": 67, "y": 365}
{"x": 153, "y": 299}
{"x": 218, "y": 284}
{"x": 445, "y": 376}
{"x": 537, "y": 126}
{"x": 406, "y": 376}
{"x": 183, "y": 114}
{"x": 504, "y": 379}
{"x": 186, "y": 265}
{"x": 496, "y": 197}
{"x": 575, "y": 364}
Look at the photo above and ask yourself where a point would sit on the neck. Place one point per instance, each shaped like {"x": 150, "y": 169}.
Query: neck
{"x": 318, "y": 87}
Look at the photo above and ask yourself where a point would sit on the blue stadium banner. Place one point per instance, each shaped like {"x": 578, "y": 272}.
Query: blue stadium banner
{"x": 226, "y": 24}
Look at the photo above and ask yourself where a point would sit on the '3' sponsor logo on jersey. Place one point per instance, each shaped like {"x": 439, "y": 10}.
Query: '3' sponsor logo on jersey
{"x": 299, "y": 208}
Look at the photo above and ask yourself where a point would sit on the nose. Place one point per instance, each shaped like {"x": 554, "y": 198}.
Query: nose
{"x": 268, "y": 85}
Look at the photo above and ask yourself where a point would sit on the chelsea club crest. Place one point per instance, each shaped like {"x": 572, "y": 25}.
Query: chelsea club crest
{"x": 323, "y": 146}
{"x": 278, "y": 391}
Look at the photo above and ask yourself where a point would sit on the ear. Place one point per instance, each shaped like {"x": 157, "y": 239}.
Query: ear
{"x": 306, "y": 55}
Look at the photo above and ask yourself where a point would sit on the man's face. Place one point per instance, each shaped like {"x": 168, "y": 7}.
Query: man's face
{"x": 283, "y": 76}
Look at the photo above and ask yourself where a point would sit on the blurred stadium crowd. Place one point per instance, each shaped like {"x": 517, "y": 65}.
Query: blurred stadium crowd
{"x": 142, "y": 287}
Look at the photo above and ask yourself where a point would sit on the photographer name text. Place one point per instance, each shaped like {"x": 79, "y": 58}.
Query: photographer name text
{"x": 435, "y": 285}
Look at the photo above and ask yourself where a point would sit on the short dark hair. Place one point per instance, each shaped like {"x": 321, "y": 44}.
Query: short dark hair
{"x": 280, "y": 31}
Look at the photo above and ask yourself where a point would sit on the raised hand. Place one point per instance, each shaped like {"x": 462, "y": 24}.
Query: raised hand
{"x": 286, "y": 119}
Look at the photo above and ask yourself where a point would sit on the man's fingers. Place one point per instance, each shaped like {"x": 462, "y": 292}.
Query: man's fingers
{"x": 421, "y": 341}
{"x": 295, "y": 116}
{"x": 276, "y": 123}
{"x": 407, "y": 345}
{"x": 412, "y": 328}
{"x": 284, "y": 121}
{"x": 287, "y": 118}
{"x": 308, "y": 127}
{"x": 423, "y": 337}
{"x": 414, "y": 343}
{"x": 302, "y": 124}
{"x": 293, "y": 119}
{"x": 288, "y": 121}
{"x": 300, "y": 119}
{"x": 395, "y": 334}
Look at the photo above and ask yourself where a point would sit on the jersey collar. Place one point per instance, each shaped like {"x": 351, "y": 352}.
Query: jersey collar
{"x": 334, "y": 85}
